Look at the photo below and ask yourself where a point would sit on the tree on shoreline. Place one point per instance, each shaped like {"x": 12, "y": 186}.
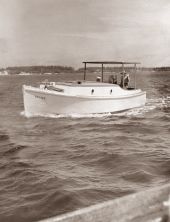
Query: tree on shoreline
{"x": 39, "y": 69}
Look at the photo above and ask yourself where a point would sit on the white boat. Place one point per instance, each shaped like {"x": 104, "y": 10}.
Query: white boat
{"x": 24, "y": 74}
{"x": 4, "y": 73}
{"x": 82, "y": 97}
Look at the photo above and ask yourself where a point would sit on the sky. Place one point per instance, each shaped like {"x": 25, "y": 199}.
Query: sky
{"x": 67, "y": 32}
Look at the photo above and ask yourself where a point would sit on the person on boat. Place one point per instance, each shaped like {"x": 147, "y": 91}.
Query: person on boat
{"x": 126, "y": 80}
{"x": 46, "y": 83}
{"x": 122, "y": 79}
{"x": 113, "y": 79}
{"x": 98, "y": 79}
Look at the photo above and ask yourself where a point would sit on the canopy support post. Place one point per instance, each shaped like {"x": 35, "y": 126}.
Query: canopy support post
{"x": 123, "y": 70}
{"x": 102, "y": 72}
{"x": 84, "y": 70}
{"x": 135, "y": 75}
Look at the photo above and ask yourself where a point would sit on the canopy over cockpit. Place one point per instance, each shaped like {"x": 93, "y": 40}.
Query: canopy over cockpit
{"x": 111, "y": 62}
{"x": 102, "y": 63}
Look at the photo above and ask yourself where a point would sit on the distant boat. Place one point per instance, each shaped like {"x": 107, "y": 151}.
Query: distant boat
{"x": 84, "y": 97}
{"x": 47, "y": 73}
{"x": 4, "y": 73}
{"x": 24, "y": 74}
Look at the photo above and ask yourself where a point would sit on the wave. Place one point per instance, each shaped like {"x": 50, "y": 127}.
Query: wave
{"x": 4, "y": 137}
{"x": 14, "y": 149}
{"x": 138, "y": 176}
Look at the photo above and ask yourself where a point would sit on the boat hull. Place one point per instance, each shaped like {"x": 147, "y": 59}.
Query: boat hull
{"x": 41, "y": 102}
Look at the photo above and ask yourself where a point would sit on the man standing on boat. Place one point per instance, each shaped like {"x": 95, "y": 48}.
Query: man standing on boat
{"x": 126, "y": 80}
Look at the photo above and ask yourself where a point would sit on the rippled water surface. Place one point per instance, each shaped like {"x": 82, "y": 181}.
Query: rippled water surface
{"x": 52, "y": 165}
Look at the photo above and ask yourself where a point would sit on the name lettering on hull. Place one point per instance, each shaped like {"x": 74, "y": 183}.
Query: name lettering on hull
{"x": 40, "y": 97}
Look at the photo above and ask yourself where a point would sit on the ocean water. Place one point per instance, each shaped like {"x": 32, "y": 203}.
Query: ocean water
{"x": 55, "y": 164}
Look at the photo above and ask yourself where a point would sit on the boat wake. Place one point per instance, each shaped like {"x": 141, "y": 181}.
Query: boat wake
{"x": 75, "y": 115}
{"x": 151, "y": 104}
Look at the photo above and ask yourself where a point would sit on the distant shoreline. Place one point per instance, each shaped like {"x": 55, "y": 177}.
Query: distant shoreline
{"x": 49, "y": 70}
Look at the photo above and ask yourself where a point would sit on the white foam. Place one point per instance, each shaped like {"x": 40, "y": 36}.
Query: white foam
{"x": 132, "y": 112}
{"x": 151, "y": 104}
{"x": 160, "y": 102}
{"x": 75, "y": 115}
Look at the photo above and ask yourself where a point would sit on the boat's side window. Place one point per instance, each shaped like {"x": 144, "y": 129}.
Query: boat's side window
{"x": 111, "y": 91}
{"x": 92, "y": 91}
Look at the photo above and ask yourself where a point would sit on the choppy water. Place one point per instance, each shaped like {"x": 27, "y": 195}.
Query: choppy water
{"x": 52, "y": 165}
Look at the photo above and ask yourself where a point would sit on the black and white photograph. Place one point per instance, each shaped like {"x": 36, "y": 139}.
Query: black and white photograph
{"x": 84, "y": 111}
